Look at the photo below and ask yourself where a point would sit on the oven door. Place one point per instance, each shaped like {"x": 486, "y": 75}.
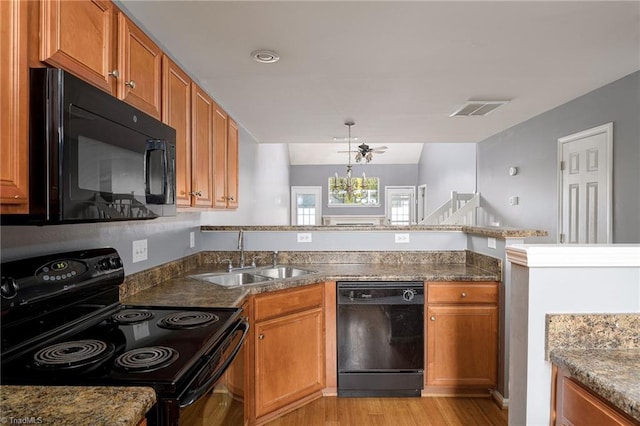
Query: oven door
{"x": 215, "y": 397}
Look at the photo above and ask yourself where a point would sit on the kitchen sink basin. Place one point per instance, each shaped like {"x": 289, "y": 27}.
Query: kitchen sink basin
{"x": 282, "y": 272}
{"x": 232, "y": 279}
{"x": 255, "y": 276}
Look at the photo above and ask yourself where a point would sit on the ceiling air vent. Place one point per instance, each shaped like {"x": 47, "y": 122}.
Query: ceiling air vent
{"x": 477, "y": 108}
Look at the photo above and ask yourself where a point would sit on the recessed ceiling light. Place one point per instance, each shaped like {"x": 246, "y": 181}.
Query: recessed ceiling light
{"x": 265, "y": 56}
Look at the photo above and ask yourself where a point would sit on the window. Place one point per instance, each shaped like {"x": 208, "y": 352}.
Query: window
{"x": 306, "y": 208}
{"x": 400, "y": 205}
{"x": 366, "y": 192}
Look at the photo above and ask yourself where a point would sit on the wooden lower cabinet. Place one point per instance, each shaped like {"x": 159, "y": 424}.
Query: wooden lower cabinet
{"x": 461, "y": 337}
{"x": 573, "y": 404}
{"x": 288, "y": 343}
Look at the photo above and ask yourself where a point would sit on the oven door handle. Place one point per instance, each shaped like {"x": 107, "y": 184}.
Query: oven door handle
{"x": 192, "y": 395}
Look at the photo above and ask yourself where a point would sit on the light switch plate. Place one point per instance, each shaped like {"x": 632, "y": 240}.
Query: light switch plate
{"x": 304, "y": 237}
{"x": 139, "y": 251}
{"x": 192, "y": 239}
{"x": 491, "y": 243}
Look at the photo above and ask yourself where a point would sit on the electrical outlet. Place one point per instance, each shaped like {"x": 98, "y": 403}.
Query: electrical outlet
{"x": 192, "y": 239}
{"x": 401, "y": 238}
{"x": 514, "y": 201}
{"x": 491, "y": 243}
{"x": 304, "y": 237}
{"x": 139, "y": 251}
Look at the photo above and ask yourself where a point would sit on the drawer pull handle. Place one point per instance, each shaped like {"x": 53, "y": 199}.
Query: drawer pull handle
{"x": 433, "y": 318}
{"x": 261, "y": 337}
{"x": 464, "y": 294}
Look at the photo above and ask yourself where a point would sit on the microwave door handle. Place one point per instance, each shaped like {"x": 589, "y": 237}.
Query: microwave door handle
{"x": 193, "y": 395}
{"x": 156, "y": 145}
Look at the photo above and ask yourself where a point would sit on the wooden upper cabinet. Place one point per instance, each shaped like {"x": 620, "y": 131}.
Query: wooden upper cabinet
{"x": 220, "y": 119}
{"x": 79, "y": 37}
{"x": 139, "y": 64}
{"x": 176, "y": 112}
{"x": 14, "y": 131}
{"x": 232, "y": 165}
{"x": 225, "y": 169}
{"x": 202, "y": 113}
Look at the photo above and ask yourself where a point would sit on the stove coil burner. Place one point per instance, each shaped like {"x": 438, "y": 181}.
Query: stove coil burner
{"x": 73, "y": 354}
{"x": 132, "y": 316}
{"x": 185, "y": 320}
{"x": 142, "y": 360}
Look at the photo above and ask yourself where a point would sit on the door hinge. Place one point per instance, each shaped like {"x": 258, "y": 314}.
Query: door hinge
{"x": 562, "y": 166}
{"x": 561, "y": 238}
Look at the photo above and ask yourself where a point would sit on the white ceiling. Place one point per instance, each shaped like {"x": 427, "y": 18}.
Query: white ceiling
{"x": 398, "y": 69}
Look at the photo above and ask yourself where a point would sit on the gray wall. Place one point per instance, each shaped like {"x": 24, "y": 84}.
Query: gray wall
{"x": 390, "y": 175}
{"x": 532, "y": 147}
{"x": 446, "y": 167}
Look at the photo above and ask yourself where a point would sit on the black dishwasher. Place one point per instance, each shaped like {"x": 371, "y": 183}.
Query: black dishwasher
{"x": 380, "y": 338}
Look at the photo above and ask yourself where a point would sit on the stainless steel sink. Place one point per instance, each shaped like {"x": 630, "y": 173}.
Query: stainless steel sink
{"x": 254, "y": 276}
{"x": 282, "y": 272}
{"x": 232, "y": 279}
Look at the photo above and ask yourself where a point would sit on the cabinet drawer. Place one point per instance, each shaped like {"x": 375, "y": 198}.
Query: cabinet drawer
{"x": 288, "y": 301}
{"x": 462, "y": 292}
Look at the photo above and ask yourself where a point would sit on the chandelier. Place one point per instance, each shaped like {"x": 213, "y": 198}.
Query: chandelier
{"x": 348, "y": 189}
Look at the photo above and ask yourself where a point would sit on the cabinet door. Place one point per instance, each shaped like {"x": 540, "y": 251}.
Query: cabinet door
{"x": 78, "y": 36}
{"x": 462, "y": 344}
{"x": 201, "y": 146}
{"x": 176, "y": 112}
{"x": 232, "y": 165}
{"x": 289, "y": 359}
{"x": 220, "y": 119}
{"x": 14, "y": 132}
{"x": 139, "y": 63}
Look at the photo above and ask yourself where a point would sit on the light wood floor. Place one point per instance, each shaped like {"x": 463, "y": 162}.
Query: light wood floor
{"x": 334, "y": 411}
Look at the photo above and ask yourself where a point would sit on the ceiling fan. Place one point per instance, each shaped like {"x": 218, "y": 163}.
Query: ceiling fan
{"x": 363, "y": 151}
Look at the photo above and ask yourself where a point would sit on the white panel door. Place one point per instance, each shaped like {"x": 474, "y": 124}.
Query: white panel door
{"x": 400, "y": 205}
{"x": 306, "y": 205}
{"x": 585, "y": 186}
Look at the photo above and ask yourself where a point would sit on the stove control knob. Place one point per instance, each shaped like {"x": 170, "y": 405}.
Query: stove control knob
{"x": 103, "y": 264}
{"x": 115, "y": 263}
{"x": 8, "y": 288}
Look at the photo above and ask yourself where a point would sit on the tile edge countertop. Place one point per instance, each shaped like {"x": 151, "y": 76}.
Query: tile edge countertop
{"x": 495, "y": 232}
{"x": 192, "y": 292}
{"x": 75, "y": 405}
{"x": 610, "y": 373}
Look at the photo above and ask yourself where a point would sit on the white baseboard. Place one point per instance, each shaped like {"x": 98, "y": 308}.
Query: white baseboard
{"x": 500, "y": 400}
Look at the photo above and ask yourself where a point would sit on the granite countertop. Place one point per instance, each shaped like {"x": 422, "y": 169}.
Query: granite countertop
{"x": 187, "y": 291}
{"x": 496, "y": 232}
{"x": 68, "y": 405}
{"x": 611, "y": 373}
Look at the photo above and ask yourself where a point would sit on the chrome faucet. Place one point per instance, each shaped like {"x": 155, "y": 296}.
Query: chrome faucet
{"x": 241, "y": 247}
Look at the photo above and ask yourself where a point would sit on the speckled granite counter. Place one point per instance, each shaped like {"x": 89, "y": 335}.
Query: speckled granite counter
{"x": 602, "y": 351}
{"x": 191, "y": 292}
{"x": 494, "y": 232}
{"x": 614, "y": 374}
{"x": 66, "y": 405}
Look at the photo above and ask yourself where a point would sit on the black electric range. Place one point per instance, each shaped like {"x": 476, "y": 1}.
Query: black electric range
{"x": 62, "y": 324}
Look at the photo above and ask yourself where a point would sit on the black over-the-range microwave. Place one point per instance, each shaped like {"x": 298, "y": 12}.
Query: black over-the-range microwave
{"x": 92, "y": 157}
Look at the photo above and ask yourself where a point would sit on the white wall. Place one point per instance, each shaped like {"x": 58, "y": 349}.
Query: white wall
{"x": 264, "y": 186}
{"x": 446, "y": 167}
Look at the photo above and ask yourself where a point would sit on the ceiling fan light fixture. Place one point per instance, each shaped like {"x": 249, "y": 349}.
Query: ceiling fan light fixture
{"x": 265, "y": 56}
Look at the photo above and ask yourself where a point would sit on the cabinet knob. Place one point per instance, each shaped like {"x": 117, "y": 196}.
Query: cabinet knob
{"x": 131, "y": 84}
{"x": 464, "y": 294}
{"x": 114, "y": 73}
{"x": 230, "y": 198}
{"x": 433, "y": 318}
{"x": 196, "y": 193}
{"x": 261, "y": 336}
